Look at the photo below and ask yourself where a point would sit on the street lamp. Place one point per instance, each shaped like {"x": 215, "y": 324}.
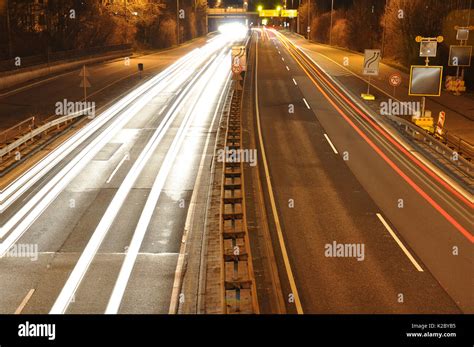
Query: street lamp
{"x": 260, "y": 8}
{"x": 330, "y": 26}
{"x": 9, "y": 34}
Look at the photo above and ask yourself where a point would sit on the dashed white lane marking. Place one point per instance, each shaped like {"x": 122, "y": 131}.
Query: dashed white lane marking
{"x": 402, "y": 246}
{"x": 306, "y": 103}
{"x": 126, "y": 157}
{"x": 330, "y": 143}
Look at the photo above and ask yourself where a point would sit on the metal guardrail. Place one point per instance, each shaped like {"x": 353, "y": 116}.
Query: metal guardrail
{"x": 239, "y": 286}
{"x": 39, "y": 131}
{"x": 446, "y": 152}
{"x": 460, "y": 144}
{"x": 16, "y": 130}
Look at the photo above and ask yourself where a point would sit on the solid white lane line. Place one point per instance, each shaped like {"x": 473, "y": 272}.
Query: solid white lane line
{"x": 287, "y": 68}
{"x": 126, "y": 157}
{"x": 294, "y": 81}
{"x": 402, "y": 246}
{"x": 306, "y": 103}
{"x": 121, "y": 283}
{"x": 25, "y": 301}
{"x": 330, "y": 143}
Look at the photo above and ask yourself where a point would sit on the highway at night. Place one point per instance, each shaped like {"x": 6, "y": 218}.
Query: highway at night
{"x": 106, "y": 181}
{"x": 248, "y": 168}
{"x": 355, "y": 200}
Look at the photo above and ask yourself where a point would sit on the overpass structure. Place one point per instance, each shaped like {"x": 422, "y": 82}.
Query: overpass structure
{"x": 217, "y": 16}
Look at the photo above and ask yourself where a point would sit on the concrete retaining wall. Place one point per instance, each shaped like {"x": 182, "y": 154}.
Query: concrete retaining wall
{"x": 11, "y": 79}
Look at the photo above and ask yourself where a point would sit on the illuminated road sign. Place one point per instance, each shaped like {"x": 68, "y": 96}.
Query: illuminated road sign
{"x": 425, "y": 80}
{"x": 460, "y": 55}
{"x": 269, "y": 13}
{"x": 289, "y": 13}
{"x": 462, "y": 34}
{"x": 395, "y": 79}
{"x": 428, "y": 48}
{"x": 371, "y": 62}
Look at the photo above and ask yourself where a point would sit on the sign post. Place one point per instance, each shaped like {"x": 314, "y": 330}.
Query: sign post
{"x": 426, "y": 79}
{"x": 460, "y": 57}
{"x": 239, "y": 63}
{"x": 371, "y": 68}
{"x": 85, "y": 82}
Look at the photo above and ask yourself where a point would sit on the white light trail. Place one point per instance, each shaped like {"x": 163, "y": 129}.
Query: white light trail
{"x": 69, "y": 289}
{"x": 201, "y": 106}
{"x": 30, "y": 211}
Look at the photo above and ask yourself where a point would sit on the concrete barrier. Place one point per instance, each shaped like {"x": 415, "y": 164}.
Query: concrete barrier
{"x": 11, "y": 79}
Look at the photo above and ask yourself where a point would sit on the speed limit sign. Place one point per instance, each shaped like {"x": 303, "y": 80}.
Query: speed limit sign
{"x": 395, "y": 79}
{"x": 237, "y": 69}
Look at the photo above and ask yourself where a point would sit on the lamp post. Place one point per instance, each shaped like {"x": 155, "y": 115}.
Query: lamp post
{"x": 330, "y": 25}
{"x": 384, "y": 29}
{"x": 10, "y": 48}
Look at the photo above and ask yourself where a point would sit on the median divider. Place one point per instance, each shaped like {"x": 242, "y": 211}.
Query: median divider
{"x": 239, "y": 290}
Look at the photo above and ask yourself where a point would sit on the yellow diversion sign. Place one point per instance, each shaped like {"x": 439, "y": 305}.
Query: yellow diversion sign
{"x": 289, "y": 13}
{"x": 269, "y": 13}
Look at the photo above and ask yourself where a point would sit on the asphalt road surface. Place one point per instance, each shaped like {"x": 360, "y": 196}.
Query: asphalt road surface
{"x": 107, "y": 81}
{"x": 336, "y": 179}
{"x": 360, "y": 224}
{"x": 106, "y": 210}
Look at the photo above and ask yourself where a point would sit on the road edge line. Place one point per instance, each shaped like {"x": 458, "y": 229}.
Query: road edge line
{"x": 281, "y": 240}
